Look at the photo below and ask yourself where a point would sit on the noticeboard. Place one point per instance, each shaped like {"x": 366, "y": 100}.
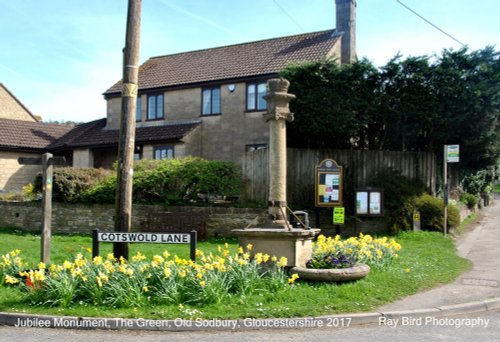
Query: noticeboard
{"x": 329, "y": 184}
{"x": 369, "y": 201}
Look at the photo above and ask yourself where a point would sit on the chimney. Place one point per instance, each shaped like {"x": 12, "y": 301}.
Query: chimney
{"x": 346, "y": 25}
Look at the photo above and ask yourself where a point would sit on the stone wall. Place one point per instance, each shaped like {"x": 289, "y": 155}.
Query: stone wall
{"x": 79, "y": 218}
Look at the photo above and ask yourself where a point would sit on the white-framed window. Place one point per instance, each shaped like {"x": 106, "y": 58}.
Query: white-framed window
{"x": 155, "y": 107}
{"x": 255, "y": 96}
{"x": 164, "y": 152}
{"x": 210, "y": 103}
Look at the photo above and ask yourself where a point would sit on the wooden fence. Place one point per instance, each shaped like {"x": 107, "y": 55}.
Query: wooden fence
{"x": 359, "y": 166}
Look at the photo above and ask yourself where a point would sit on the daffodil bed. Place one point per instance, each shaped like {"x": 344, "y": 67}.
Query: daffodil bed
{"x": 334, "y": 252}
{"x": 224, "y": 283}
{"x": 162, "y": 280}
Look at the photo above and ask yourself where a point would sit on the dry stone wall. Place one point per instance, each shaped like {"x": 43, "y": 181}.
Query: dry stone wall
{"x": 81, "y": 219}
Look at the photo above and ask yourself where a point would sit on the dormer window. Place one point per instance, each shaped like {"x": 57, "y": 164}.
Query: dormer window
{"x": 155, "y": 107}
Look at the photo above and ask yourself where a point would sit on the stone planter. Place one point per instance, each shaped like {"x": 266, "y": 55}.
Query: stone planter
{"x": 332, "y": 274}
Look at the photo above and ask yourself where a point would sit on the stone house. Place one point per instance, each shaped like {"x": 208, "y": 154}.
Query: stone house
{"x": 208, "y": 103}
{"x": 205, "y": 103}
{"x": 22, "y": 134}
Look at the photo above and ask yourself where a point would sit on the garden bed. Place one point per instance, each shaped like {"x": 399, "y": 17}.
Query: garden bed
{"x": 426, "y": 260}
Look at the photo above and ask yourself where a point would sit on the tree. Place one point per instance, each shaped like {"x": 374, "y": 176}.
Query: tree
{"x": 415, "y": 104}
{"x": 334, "y": 106}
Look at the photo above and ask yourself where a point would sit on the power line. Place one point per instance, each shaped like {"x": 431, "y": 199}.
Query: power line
{"x": 427, "y": 21}
{"x": 289, "y": 16}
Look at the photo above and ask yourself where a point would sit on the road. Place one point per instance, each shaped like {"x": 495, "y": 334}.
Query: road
{"x": 452, "y": 328}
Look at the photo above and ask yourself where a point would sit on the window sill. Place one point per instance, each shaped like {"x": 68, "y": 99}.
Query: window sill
{"x": 206, "y": 115}
{"x": 160, "y": 119}
{"x": 255, "y": 111}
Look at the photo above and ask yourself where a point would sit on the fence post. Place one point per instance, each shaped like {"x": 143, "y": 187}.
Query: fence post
{"x": 95, "y": 243}
{"x": 193, "y": 244}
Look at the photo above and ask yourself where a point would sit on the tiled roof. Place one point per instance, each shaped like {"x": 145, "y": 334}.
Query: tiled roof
{"x": 93, "y": 134}
{"x": 235, "y": 61}
{"x": 29, "y": 136}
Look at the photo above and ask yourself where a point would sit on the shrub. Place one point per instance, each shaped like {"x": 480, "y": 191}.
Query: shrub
{"x": 27, "y": 193}
{"x": 173, "y": 181}
{"x": 431, "y": 213}
{"x": 70, "y": 183}
{"x": 478, "y": 182}
{"x": 469, "y": 200}
{"x": 399, "y": 192}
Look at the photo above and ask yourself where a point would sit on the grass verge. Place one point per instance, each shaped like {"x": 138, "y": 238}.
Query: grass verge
{"x": 425, "y": 261}
{"x": 496, "y": 189}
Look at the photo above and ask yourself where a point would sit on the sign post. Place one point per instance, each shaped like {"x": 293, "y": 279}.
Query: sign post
{"x": 47, "y": 161}
{"x": 451, "y": 155}
{"x": 126, "y": 237}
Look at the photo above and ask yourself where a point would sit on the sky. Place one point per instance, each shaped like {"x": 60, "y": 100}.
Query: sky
{"x": 58, "y": 56}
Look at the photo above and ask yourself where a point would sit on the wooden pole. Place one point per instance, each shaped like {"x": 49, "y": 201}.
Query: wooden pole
{"x": 445, "y": 190}
{"x": 127, "y": 126}
{"x": 47, "y": 174}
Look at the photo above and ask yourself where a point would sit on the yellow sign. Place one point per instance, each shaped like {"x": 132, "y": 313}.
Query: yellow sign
{"x": 129, "y": 90}
{"x": 416, "y": 217}
{"x": 338, "y": 215}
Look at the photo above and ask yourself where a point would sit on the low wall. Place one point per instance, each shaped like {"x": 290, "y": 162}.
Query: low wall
{"x": 81, "y": 219}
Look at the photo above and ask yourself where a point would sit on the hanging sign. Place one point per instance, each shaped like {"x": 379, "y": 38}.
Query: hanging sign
{"x": 329, "y": 184}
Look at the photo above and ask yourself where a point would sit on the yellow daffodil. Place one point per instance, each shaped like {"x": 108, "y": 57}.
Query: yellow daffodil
{"x": 167, "y": 272}
{"x": 138, "y": 257}
{"x": 15, "y": 253}
{"x": 6, "y": 261}
{"x": 11, "y": 280}
{"x": 97, "y": 260}
{"x": 292, "y": 279}
{"x": 282, "y": 262}
{"x": 67, "y": 265}
{"x": 39, "y": 275}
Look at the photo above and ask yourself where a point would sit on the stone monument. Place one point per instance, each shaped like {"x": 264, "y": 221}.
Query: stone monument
{"x": 277, "y": 237}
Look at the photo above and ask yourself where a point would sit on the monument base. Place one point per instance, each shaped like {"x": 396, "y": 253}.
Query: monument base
{"x": 295, "y": 244}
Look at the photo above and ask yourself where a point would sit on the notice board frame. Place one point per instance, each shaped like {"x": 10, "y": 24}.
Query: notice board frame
{"x": 329, "y": 184}
{"x": 374, "y": 202}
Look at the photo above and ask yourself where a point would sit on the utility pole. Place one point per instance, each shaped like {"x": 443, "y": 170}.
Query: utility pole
{"x": 126, "y": 142}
